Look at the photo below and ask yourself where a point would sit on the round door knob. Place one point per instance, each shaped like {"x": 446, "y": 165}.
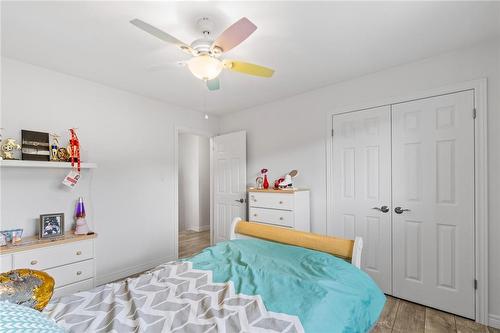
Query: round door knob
{"x": 34, "y": 262}
{"x": 79, "y": 273}
{"x": 78, "y": 253}
{"x": 399, "y": 210}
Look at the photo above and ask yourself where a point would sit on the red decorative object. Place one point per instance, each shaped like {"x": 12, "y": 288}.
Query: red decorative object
{"x": 74, "y": 147}
{"x": 266, "y": 182}
{"x": 277, "y": 183}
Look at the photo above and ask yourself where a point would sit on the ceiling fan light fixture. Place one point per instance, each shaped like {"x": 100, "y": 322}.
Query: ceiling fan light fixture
{"x": 205, "y": 51}
{"x": 205, "y": 67}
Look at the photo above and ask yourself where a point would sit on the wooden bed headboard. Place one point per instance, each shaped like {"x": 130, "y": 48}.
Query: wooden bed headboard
{"x": 340, "y": 247}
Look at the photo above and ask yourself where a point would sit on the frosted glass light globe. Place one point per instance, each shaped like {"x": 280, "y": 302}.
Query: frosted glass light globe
{"x": 205, "y": 67}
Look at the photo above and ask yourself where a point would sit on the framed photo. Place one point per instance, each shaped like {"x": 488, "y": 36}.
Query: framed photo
{"x": 35, "y": 146}
{"x": 51, "y": 225}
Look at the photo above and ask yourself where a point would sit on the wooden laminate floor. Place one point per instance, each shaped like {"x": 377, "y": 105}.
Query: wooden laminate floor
{"x": 192, "y": 242}
{"x": 402, "y": 316}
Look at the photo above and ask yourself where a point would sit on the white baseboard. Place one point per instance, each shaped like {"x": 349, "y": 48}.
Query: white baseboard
{"x": 120, "y": 274}
{"x": 200, "y": 228}
{"x": 494, "y": 321}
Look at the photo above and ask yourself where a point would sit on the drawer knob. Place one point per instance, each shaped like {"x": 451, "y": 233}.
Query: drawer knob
{"x": 79, "y": 273}
{"x": 281, "y": 218}
{"x": 78, "y": 253}
{"x": 254, "y": 214}
{"x": 34, "y": 262}
{"x": 281, "y": 202}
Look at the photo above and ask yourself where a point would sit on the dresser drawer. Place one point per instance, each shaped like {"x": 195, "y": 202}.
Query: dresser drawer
{"x": 272, "y": 216}
{"x": 53, "y": 256}
{"x": 73, "y": 288}
{"x": 5, "y": 263}
{"x": 72, "y": 273}
{"x": 271, "y": 200}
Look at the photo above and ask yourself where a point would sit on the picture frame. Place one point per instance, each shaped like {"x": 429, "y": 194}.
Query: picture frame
{"x": 51, "y": 226}
{"x": 35, "y": 146}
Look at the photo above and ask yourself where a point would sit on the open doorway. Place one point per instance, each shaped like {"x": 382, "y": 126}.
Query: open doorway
{"x": 193, "y": 193}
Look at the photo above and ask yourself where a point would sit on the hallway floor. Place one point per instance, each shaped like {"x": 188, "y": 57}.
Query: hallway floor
{"x": 192, "y": 242}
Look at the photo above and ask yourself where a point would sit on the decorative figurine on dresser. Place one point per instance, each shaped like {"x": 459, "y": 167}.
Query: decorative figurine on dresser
{"x": 265, "y": 183}
{"x": 12, "y": 236}
{"x": 287, "y": 182}
{"x": 259, "y": 181}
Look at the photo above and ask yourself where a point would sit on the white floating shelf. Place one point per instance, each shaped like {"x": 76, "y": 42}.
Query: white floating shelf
{"x": 43, "y": 164}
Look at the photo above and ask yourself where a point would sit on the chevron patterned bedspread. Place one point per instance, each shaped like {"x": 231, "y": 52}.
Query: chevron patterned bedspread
{"x": 173, "y": 297}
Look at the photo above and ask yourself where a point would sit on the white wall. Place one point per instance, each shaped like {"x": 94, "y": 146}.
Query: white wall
{"x": 194, "y": 182}
{"x": 130, "y": 196}
{"x": 204, "y": 176}
{"x": 290, "y": 134}
{"x": 189, "y": 187}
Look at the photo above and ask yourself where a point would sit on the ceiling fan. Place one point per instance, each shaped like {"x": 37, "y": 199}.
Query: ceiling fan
{"x": 206, "y": 63}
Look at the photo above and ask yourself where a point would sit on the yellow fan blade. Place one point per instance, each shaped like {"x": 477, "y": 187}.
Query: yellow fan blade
{"x": 247, "y": 68}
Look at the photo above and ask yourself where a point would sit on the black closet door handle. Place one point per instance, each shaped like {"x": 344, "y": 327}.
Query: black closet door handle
{"x": 399, "y": 210}
{"x": 383, "y": 209}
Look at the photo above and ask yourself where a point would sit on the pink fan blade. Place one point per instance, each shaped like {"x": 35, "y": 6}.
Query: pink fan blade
{"x": 235, "y": 34}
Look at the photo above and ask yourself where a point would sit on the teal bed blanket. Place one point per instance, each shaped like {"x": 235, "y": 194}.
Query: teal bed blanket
{"x": 325, "y": 292}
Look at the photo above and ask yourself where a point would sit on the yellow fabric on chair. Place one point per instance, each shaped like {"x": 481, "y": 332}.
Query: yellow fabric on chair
{"x": 337, "y": 246}
{"x": 26, "y": 287}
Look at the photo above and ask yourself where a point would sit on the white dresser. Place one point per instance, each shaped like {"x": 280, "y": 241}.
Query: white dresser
{"x": 286, "y": 208}
{"x": 69, "y": 260}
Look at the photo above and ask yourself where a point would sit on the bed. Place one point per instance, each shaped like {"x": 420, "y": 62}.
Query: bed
{"x": 252, "y": 283}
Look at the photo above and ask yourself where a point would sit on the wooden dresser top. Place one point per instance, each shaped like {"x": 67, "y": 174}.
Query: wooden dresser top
{"x": 270, "y": 190}
{"x": 31, "y": 243}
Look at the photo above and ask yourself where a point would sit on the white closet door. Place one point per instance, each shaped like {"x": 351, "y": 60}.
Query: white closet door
{"x": 229, "y": 158}
{"x": 433, "y": 177}
{"x": 361, "y": 159}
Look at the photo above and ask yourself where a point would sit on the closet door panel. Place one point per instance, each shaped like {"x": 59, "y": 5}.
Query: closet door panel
{"x": 361, "y": 181}
{"x": 433, "y": 177}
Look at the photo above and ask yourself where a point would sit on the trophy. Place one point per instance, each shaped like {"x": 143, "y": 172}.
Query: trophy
{"x": 54, "y": 147}
{"x": 8, "y": 147}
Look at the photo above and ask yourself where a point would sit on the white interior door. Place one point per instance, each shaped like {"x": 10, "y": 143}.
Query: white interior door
{"x": 229, "y": 182}
{"x": 433, "y": 177}
{"x": 361, "y": 159}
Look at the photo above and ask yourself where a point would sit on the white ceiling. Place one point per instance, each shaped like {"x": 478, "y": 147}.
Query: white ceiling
{"x": 310, "y": 45}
